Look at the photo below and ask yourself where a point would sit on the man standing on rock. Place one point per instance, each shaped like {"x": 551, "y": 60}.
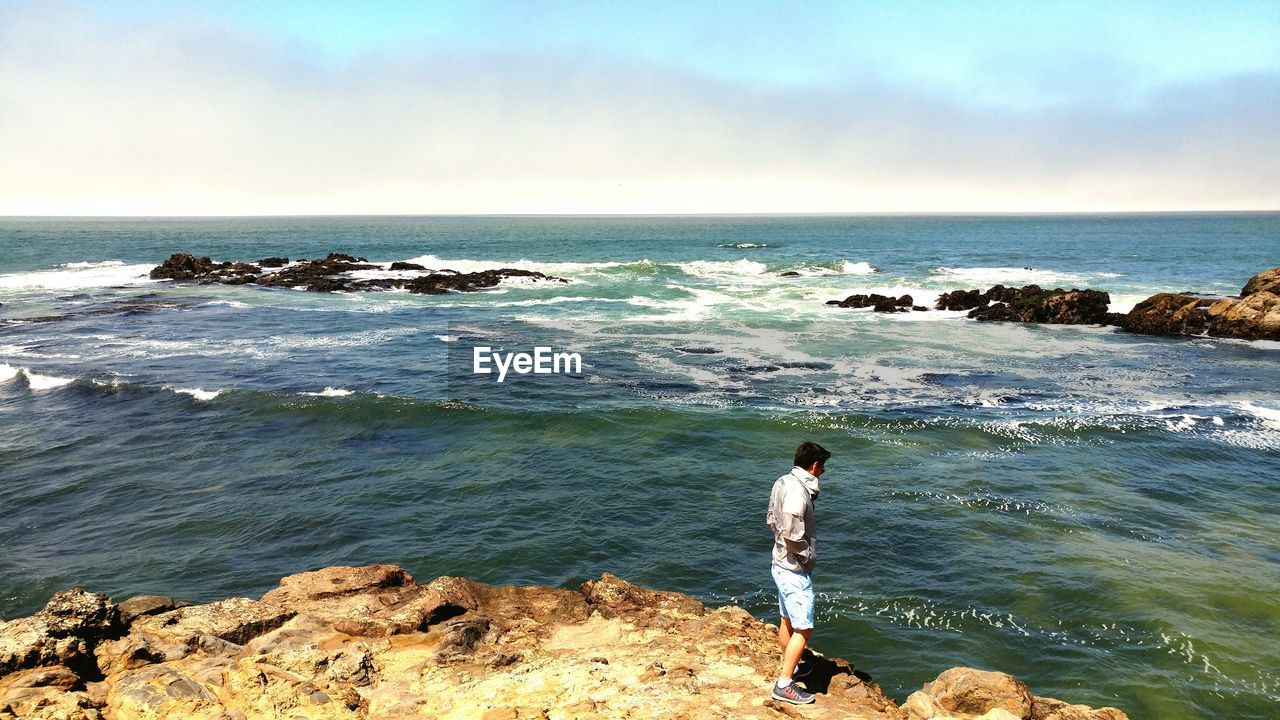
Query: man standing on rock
{"x": 790, "y": 517}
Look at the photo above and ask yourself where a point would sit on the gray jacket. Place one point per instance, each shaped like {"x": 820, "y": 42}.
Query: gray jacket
{"x": 790, "y": 517}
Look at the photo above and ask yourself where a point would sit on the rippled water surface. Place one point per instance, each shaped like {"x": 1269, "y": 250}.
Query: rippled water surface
{"x": 1093, "y": 511}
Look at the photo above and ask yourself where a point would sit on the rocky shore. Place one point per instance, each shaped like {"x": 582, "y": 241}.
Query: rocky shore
{"x": 369, "y": 642}
{"x": 333, "y": 274}
{"x": 1253, "y": 315}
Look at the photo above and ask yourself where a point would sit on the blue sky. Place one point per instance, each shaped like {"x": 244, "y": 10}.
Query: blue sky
{"x": 1014, "y": 53}
{"x": 712, "y": 106}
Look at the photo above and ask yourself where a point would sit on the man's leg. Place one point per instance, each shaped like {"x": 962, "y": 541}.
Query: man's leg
{"x": 784, "y": 632}
{"x": 792, "y": 651}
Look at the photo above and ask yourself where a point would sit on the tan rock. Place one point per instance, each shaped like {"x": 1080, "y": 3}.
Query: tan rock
{"x": 618, "y": 594}
{"x": 63, "y": 632}
{"x": 236, "y": 620}
{"x": 304, "y": 588}
{"x": 966, "y": 692}
{"x": 1050, "y": 709}
{"x": 457, "y": 649}
{"x": 140, "y": 605}
{"x": 1256, "y": 317}
{"x": 1265, "y": 281}
{"x": 47, "y": 703}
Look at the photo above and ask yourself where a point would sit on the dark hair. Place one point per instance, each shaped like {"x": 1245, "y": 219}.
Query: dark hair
{"x": 809, "y": 453}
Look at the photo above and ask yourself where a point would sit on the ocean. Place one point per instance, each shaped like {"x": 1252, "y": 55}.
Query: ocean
{"x": 1093, "y": 511}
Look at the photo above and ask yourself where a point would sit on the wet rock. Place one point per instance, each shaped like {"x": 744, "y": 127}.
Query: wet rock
{"x": 438, "y": 283}
{"x": 407, "y": 266}
{"x": 182, "y": 266}
{"x": 880, "y": 303}
{"x": 332, "y": 274}
{"x": 960, "y": 300}
{"x": 1032, "y": 304}
{"x": 1169, "y": 314}
{"x": 789, "y": 273}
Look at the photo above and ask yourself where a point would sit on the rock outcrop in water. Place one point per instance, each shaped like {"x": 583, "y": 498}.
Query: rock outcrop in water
{"x": 332, "y": 274}
{"x": 879, "y": 303}
{"x": 1030, "y": 304}
{"x": 1255, "y": 315}
{"x": 369, "y": 642}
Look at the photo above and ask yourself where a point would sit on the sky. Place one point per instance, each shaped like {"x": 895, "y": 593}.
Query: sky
{"x": 258, "y": 108}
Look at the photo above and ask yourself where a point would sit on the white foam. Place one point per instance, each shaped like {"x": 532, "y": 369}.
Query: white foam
{"x": 330, "y": 392}
{"x": 844, "y": 267}
{"x": 72, "y": 276}
{"x": 863, "y": 267}
{"x": 45, "y": 382}
{"x": 198, "y": 394}
{"x": 1124, "y": 303}
{"x": 446, "y": 338}
{"x": 744, "y": 246}
{"x": 1269, "y": 416}
{"x": 434, "y": 262}
{"x": 385, "y": 274}
{"x": 8, "y": 372}
{"x": 988, "y": 276}
{"x": 720, "y": 268}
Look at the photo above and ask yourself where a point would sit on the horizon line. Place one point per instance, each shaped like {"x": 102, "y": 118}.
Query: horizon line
{"x": 918, "y": 213}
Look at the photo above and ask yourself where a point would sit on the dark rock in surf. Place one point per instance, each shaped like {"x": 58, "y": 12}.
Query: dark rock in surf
{"x": 438, "y": 283}
{"x": 332, "y": 274}
{"x": 1030, "y": 303}
{"x": 182, "y": 266}
{"x": 1169, "y": 314}
{"x": 879, "y": 303}
{"x": 789, "y": 273}
{"x": 1052, "y": 307}
{"x": 960, "y": 300}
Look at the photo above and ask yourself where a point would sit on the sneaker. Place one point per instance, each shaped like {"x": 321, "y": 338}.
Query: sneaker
{"x": 792, "y": 694}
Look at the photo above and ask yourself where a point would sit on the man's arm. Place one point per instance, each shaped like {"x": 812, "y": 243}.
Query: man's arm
{"x": 792, "y": 530}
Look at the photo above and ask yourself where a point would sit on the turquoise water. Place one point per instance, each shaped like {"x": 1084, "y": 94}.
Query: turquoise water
{"x": 1093, "y": 511}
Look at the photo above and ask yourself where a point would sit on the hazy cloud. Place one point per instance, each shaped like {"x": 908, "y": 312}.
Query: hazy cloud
{"x": 197, "y": 118}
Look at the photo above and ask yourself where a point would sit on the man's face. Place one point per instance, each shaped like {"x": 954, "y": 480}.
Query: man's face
{"x": 817, "y": 469}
